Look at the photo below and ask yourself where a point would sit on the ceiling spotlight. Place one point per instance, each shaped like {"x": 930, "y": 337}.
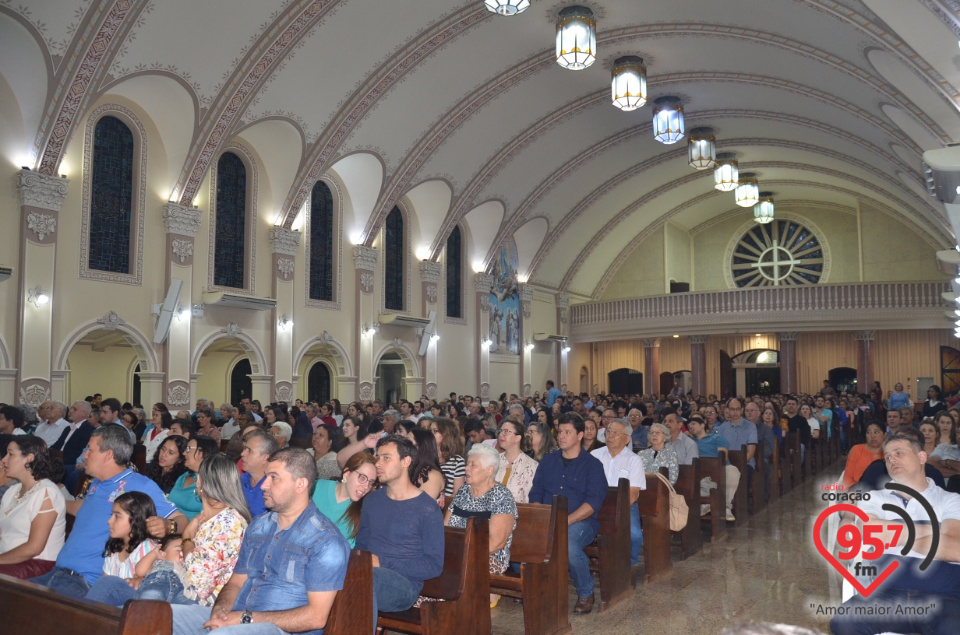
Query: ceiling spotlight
{"x": 629, "y": 83}
{"x": 668, "y": 120}
{"x": 507, "y": 7}
{"x": 702, "y": 149}
{"x": 748, "y": 191}
{"x": 576, "y": 38}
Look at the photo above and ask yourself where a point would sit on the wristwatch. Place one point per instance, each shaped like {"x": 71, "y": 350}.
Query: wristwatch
{"x": 247, "y": 617}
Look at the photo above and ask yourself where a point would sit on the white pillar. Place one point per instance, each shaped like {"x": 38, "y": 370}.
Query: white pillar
{"x": 286, "y": 244}
{"x": 429, "y": 279}
{"x": 181, "y": 224}
{"x": 563, "y": 313}
{"x": 365, "y": 315}
{"x": 526, "y": 353}
{"x": 483, "y": 282}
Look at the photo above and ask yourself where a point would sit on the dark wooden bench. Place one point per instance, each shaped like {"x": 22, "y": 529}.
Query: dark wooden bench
{"x": 352, "y": 610}
{"x": 31, "y": 608}
{"x": 688, "y": 485}
{"x": 776, "y": 478}
{"x": 654, "y": 502}
{"x": 758, "y": 488}
{"x": 463, "y": 586}
{"x": 715, "y": 468}
{"x": 139, "y": 458}
{"x": 540, "y": 547}
{"x": 741, "y": 506}
{"x": 611, "y": 550}
{"x": 795, "y": 456}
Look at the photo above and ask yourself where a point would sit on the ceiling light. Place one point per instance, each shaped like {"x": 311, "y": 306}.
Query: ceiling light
{"x": 727, "y": 172}
{"x": 702, "y": 149}
{"x": 747, "y": 192}
{"x": 576, "y": 38}
{"x": 668, "y": 120}
{"x": 629, "y": 83}
{"x": 763, "y": 211}
{"x": 507, "y": 7}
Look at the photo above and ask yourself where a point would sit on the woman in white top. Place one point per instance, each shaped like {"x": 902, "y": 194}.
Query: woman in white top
{"x": 807, "y": 413}
{"x": 32, "y": 513}
{"x": 156, "y": 434}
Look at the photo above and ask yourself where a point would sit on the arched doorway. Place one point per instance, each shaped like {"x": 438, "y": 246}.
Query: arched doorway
{"x": 390, "y": 374}
{"x": 757, "y": 372}
{"x": 625, "y": 381}
{"x": 240, "y": 385}
{"x": 104, "y": 361}
{"x": 223, "y": 371}
{"x": 137, "y": 390}
{"x": 683, "y": 379}
{"x": 949, "y": 370}
{"x": 318, "y": 383}
{"x": 843, "y": 379}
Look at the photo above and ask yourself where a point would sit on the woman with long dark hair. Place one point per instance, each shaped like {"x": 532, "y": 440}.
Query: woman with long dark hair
{"x": 156, "y": 432}
{"x": 341, "y": 501}
{"x": 169, "y": 463}
{"x": 425, "y": 470}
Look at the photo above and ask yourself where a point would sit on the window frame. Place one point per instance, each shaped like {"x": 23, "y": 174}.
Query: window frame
{"x": 407, "y": 298}
{"x": 337, "y": 257}
{"x": 249, "y": 264}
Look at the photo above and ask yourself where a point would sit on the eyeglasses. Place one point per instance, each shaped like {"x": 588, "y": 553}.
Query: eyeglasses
{"x": 507, "y": 431}
{"x": 363, "y": 479}
{"x": 190, "y": 450}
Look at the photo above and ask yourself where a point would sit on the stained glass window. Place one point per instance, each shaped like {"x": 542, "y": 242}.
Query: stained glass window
{"x": 321, "y": 242}
{"x": 781, "y": 253}
{"x": 111, "y": 201}
{"x": 230, "y": 246}
{"x": 454, "y": 275}
{"x": 393, "y": 246}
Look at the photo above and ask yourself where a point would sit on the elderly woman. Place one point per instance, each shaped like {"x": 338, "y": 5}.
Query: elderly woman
{"x": 184, "y": 492}
{"x": 281, "y": 431}
{"x": 482, "y": 496}
{"x": 327, "y": 466}
{"x": 211, "y": 544}
{"x": 659, "y": 455}
{"x": 341, "y": 501}
{"x": 157, "y": 432}
{"x": 32, "y": 512}
{"x": 169, "y": 464}
{"x": 539, "y": 437}
{"x": 516, "y": 470}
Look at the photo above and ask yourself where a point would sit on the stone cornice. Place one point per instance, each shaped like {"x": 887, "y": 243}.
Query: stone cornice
{"x": 365, "y": 258}
{"x": 483, "y": 282}
{"x": 430, "y": 271}
{"x": 285, "y": 241}
{"x": 178, "y": 219}
{"x": 43, "y": 192}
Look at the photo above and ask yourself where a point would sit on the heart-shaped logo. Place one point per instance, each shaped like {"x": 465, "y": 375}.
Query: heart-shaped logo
{"x": 829, "y": 557}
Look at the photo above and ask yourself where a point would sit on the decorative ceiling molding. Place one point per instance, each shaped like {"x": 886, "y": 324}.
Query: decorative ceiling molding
{"x": 245, "y": 81}
{"x": 942, "y": 10}
{"x": 795, "y": 205}
{"x": 84, "y": 65}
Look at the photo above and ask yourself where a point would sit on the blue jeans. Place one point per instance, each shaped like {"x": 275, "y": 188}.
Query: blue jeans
{"x": 188, "y": 620}
{"x": 392, "y": 592}
{"x": 636, "y": 534}
{"x": 111, "y": 590}
{"x": 65, "y": 582}
{"x": 579, "y": 535}
{"x": 163, "y": 585}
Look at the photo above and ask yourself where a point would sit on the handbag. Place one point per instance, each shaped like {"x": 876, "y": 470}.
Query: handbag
{"x": 679, "y": 511}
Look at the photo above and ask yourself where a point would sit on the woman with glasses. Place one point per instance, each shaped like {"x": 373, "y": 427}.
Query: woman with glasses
{"x": 540, "y": 440}
{"x": 184, "y": 494}
{"x": 516, "y": 470}
{"x": 659, "y": 454}
{"x": 341, "y": 501}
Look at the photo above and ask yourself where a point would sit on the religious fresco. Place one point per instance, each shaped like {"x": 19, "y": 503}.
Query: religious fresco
{"x": 504, "y": 313}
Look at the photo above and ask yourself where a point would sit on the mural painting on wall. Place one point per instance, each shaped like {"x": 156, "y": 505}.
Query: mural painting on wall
{"x": 505, "y": 303}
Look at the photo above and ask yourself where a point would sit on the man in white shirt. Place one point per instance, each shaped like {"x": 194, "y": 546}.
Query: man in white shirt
{"x": 938, "y": 586}
{"x": 52, "y": 424}
{"x": 685, "y": 447}
{"x": 406, "y": 412}
{"x": 619, "y": 463}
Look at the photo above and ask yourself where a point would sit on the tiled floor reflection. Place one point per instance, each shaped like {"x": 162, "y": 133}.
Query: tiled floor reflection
{"x": 767, "y": 570}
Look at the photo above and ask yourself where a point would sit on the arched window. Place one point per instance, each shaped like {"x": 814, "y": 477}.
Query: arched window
{"x": 453, "y": 261}
{"x": 393, "y": 247}
{"x": 321, "y": 242}
{"x": 231, "y": 226}
{"x": 111, "y": 200}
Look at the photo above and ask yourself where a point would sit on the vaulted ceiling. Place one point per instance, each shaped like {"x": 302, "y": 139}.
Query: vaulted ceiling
{"x": 465, "y": 117}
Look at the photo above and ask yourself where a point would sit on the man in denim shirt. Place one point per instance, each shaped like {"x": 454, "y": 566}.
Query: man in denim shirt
{"x": 292, "y": 562}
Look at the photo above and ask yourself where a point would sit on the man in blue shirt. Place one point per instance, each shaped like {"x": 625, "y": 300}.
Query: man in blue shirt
{"x": 573, "y": 473}
{"x": 292, "y": 562}
{"x": 80, "y": 562}
{"x": 552, "y": 393}
{"x": 403, "y": 527}
{"x": 714, "y": 446}
{"x": 258, "y": 446}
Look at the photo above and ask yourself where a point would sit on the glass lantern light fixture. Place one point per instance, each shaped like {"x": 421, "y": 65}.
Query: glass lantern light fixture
{"x": 629, "y": 83}
{"x": 576, "y": 38}
{"x": 702, "y": 149}
{"x": 748, "y": 191}
{"x": 507, "y": 7}
{"x": 726, "y": 174}
{"x": 668, "y": 120}
{"x": 763, "y": 211}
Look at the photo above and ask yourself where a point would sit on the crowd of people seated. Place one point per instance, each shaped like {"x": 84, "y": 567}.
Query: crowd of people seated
{"x": 245, "y": 514}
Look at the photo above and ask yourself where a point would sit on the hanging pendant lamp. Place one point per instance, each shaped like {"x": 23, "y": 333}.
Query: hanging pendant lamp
{"x": 748, "y": 191}
{"x": 668, "y": 120}
{"x": 727, "y": 173}
{"x": 763, "y": 211}
{"x": 629, "y": 83}
{"x": 507, "y": 7}
{"x": 702, "y": 149}
{"x": 576, "y": 38}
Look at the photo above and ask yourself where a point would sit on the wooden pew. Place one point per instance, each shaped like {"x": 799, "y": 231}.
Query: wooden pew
{"x": 139, "y": 458}
{"x": 776, "y": 478}
{"x": 793, "y": 454}
{"x": 714, "y": 467}
{"x": 688, "y": 486}
{"x": 352, "y": 610}
{"x": 463, "y": 586}
{"x": 540, "y": 546}
{"x": 611, "y": 549}
{"x": 31, "y": 608}
{"x": 654, "y": 505}
{"x": 738, "y": 458}
{"x": 758, "y": 489}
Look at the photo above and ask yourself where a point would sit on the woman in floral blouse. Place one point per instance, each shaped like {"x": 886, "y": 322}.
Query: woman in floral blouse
{"x": 211, "y": 540}
{"x": 659, "y": 454}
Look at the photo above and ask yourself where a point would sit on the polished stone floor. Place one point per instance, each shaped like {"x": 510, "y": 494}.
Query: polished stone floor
{"x": 767, "y": 570}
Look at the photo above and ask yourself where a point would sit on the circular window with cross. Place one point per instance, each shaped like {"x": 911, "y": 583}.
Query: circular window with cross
{"x": 784, "y": 252}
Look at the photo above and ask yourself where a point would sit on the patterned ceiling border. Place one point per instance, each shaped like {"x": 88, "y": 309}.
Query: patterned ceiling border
{"x": 950, "y": 16}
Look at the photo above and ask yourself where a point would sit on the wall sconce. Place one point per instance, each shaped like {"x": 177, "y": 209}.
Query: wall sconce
{"x": 38, "y": 296}
{"x": 285, "y": 322}
{"x": 435, "y": 338}
{"x": 182, "y": 312}
{"x": 565, "y": 349}
{"x": 485, "y": 343}
{"x": 369, "y": 331}
{"x": 529, "y": 345}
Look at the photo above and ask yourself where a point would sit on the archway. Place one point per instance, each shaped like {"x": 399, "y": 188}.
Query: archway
{"x": 757, "y": 372}
{"x": 390, "y": 374}
{"x": 318, "y": 383}
{"x": 949, "y": 370}
{"x": 223, "y": 371}
{"x": 625, "y": 381}
{"x": 102, "y": 360}
{"x": 326, "y": 351}
{"x": 240, "y": 385}
{"x": 843, "y": 379}
{"x": 682, "y": 379}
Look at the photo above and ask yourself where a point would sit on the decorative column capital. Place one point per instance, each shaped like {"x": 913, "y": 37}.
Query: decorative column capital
{"x": 699, "y": 339}
{"x": 483, "y": 283}
{"x": 563, "y": 300}
{"x": 864, "y": 336}
{"x": 285, "y": 241}
{"x": 653, "y": 342}
{"x": 365, "y": 257}
{"x": 179, "y": 219}
{"x": 790, "y": 336}
{"x": 38, "y": 190}
{"x": 430, "y": 271}
{"x": 526, "y": 292}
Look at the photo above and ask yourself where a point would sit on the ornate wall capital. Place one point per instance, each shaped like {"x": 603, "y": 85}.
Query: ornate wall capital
{"x": 37, "y": 190}
{"x": 864, "y": 336}
{"x": 42, "y": 225}
{"x": 179, "y": 219}
{"x": 790, "y": 336}
{"x": 699, "y": 339}
{"x": 364, "y": 257}
{"x": 285, "y": 267}
{"x": 652, "y": 342}
{"x": 563, "y": 300}
{"x": 285, "y": 241}
{"x": 526, "y": 292}
{"x": 483, "y": 282}
{"x": 182, "y": 249}
{"x": 430, "y": 271}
